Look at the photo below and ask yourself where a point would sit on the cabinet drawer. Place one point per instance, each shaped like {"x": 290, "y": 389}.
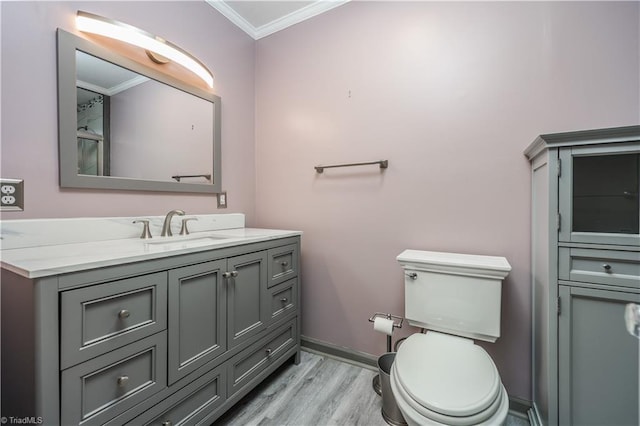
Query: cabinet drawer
{"x": 619, "y": 268}
{"x": 282, "y": 264}
{"x": 97, "y": 319}
{"x": 106, "y": 386}
{"x": 284, "y": 299}
{"x": 191, "y": 404}
{"x": 255, "y": 359}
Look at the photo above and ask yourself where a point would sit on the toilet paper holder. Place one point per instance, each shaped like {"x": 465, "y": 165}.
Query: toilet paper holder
{"x": 377, "y": 387}
{"x": 388, "y": 316}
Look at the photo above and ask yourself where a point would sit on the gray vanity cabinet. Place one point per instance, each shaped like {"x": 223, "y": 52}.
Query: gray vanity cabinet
{"x": 585, "y": 269}
{"x": 174, "y": 340}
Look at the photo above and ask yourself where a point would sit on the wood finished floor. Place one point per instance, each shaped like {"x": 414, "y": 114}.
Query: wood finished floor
{"x": 318, "y": 391}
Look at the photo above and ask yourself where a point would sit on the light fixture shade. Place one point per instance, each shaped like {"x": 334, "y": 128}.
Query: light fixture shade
{"x": 90, "y": 23}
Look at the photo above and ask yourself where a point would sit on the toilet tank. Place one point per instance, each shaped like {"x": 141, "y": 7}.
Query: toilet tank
{"x": 454, "y": 293}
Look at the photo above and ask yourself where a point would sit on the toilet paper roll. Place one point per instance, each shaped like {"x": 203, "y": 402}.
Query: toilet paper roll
{"x": 383, "y": 325}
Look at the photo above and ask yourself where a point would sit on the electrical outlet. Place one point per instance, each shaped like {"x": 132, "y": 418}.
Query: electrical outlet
{"x": 222, "y": 200}
{"x": 11, "y": 194}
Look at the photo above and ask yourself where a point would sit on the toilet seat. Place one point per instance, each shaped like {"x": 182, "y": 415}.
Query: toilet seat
{"x": 415, "y": 418}
{"x": 449, "y": 380}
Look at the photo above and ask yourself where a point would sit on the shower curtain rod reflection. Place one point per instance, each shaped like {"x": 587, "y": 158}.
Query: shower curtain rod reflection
{"x": 383, "y": 165}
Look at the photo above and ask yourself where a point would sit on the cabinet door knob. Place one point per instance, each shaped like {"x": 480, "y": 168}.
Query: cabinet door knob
{"x": 234, "y": 273}
{"x": 284, "y": 300}
{"x": 123, "y": 380}
{"x": 268, "y": 351}
{"x": 124, "y": 314}
{"x": 284, "y": 263}
{"x": 167, "y": 423}
{"x": 226, "y": 274}
{"x": 606, "y": 266}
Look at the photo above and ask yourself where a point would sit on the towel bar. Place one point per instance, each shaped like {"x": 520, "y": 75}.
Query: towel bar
{"x": 383, "y": 165}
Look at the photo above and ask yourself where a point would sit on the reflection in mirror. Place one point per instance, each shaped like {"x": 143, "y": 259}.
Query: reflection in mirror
{"x": 132, "y": 127}
{"x": 137, "y": 144}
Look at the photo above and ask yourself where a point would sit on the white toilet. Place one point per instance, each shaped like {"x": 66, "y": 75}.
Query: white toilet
{"x": 442, "y": 377}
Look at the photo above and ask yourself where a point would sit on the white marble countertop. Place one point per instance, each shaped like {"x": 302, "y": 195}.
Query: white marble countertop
{"x": 36, "y": 248}
{"x": 54, "y": 259}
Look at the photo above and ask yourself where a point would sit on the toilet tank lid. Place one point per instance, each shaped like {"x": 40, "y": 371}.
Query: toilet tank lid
{"x": 465, "y": 264}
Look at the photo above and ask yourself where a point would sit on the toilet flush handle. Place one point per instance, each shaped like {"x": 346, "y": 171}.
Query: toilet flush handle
{"x": 412, "y": 275}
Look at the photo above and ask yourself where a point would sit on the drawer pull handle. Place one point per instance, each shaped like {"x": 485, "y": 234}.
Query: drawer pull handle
{"x": 124, "y": 314}
{"x": 284, "y": 300}
{"x": 607, "y": 266}
{"x": 123, "y": 380}
{"x": 268, "y": 351}
{"x": 284, "y": 263}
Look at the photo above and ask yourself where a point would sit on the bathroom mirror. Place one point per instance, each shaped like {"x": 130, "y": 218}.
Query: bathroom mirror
{"x": 125, "y": 126}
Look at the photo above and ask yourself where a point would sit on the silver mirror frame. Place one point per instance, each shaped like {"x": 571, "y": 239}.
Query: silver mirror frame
{"x": 67, "y": 122}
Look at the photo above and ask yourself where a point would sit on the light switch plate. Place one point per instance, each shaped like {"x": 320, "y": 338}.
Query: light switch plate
{"x": 222, "y": 200}
{"x": 11, "y": 194}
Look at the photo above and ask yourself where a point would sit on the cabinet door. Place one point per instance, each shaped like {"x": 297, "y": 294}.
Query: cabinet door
{"x": 598, "y": 359}
{"x": 247, "y": 297}
{"x": 197, "y": 317}
{"x": 599, "y": 194}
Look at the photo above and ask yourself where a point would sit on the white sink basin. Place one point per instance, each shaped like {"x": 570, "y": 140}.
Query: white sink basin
{"x": 178, "y": 243}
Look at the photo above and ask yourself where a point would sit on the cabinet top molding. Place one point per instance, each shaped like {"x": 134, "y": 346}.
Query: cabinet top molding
{"x": 583, "y": 137}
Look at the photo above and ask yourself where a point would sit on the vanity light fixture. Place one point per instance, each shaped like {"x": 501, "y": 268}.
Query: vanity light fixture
{"x": 90, "y": 23}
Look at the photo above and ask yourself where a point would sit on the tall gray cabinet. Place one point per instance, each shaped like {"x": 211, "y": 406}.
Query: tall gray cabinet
{"x": 585, "y": 269}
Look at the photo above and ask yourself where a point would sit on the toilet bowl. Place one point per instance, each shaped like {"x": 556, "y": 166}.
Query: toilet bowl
{"x": 439, "y": 379}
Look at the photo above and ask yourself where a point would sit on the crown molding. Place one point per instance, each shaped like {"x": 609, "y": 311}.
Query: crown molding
{"x": 233, "y": 16}
{"x": 309, "y": 11}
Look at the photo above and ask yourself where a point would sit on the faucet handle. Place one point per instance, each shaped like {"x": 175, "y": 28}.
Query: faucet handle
{"x": 184, "y": 230}
{"x": 145, "y": 229}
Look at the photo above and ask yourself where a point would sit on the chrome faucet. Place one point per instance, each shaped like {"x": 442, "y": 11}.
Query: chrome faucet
{"x": 166, "y": 226}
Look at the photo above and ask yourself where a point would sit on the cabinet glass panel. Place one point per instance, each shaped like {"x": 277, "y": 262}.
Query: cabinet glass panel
{"x": 605, "y": 194}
